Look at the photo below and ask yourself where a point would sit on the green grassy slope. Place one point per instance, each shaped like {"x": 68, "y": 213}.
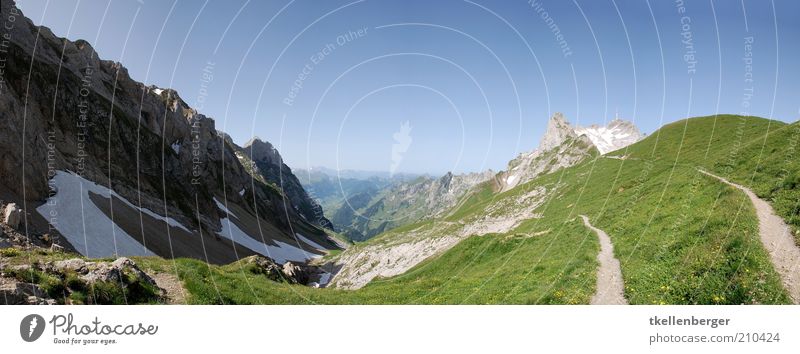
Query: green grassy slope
{"x": 681, "y": 237}
{"x": 770, "y": 167}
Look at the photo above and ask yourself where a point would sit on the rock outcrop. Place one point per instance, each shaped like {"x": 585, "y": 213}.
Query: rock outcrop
{"x": 296, "y": 273}
{"x": 12, "y": 215}
{"x": 289, "y": 272}
{"x": 122, "y": 270}
{"x": 14, "y": 292}
{"x": 560, "y": 147}
{"x": 266, "y": 267}
{"x": 269, "y": 164}
{"x": 77, "y": 281}
{"x": 558, "y": 131}
{"x": 564, "y": 145}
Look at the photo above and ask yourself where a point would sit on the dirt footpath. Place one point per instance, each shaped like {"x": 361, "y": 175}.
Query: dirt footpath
{"x": 777, "y": 239}
{"x": 610, "y": 288}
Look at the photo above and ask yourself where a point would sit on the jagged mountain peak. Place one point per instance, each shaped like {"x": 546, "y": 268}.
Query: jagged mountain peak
{"x": 260, "y": 150}
{"x": 447, "y": 176}
{"x": 258, "y": 143}
{"x": 85, "y": 47}
{"x": 254, "y": 140}
{"x": 558, "y": 131}
{"x": 264, "y": 161}
{"x": 558, "y": 118}
{"x": 564, "y": 145}
{"x": 560, "y": 147}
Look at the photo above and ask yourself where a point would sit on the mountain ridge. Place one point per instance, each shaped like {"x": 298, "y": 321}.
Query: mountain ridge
{"x": 152, "y": 169}
{"x": 361, "y": 216}
{"x": 564, "y": 145}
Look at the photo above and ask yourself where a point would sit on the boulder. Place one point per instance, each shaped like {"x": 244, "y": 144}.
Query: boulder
{"x": 267, "y": 267}
{"x": 102, "y": 272}
{"x": 12, "y": 215}
{"x": 294, "y": 273}
{"x": 14, "y": 292}
{"x": 35, "y": 300}
{"x": 76, "y": 265}
{"x": 21, "y": 268}
{"x": 114, "y": 271}
{"x": 129, "y": 267}
{"x": 298, "y": 273}
{"x": 122, "y": 273}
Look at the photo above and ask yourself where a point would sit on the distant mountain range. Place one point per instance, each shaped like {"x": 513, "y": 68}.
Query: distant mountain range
{"x": 561, "y": 146}
{"x": 362, "y": 205}
{"x": 358, "y": 174}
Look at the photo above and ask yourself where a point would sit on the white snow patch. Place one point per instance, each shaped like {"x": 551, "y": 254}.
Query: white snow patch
{"x": 324, "y": 278}
{"x": 158, "y": 91}
{"x": 309, "y": 242}
{"x": 510, "y": 180}
{"x": 177, "y": 147}
{"x": 241, "y": 193}
{"x": 224, "y": 208}
{"x": 170, "y": 221}
{"x": 611, "y": 138}
{"x": 85, "y": 226}
{"x": 281, "y": 253}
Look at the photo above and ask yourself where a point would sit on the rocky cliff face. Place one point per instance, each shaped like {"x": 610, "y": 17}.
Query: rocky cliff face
{"x": 560, "y": 147}
{"x": 564, "y": 145}
{"x": 269, "y": 164}
{"x": 364, "y": 215}
{"x": 157, "y": 163}
{"x": 558, "y": 131}
{"x": 440, "y": 194}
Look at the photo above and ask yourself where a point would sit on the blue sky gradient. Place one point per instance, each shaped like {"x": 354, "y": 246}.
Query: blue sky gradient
{"x": 476, "y": 80}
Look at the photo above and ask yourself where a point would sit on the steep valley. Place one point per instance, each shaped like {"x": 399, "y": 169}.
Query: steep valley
{"x": 647, "y": 203}
{"x": 109, "y": 184}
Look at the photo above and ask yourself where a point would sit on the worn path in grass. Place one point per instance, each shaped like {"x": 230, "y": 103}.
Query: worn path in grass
{"x": 610, "y": 289}
{"x": 175, "y": 293}
{"x": 777, "y": 239}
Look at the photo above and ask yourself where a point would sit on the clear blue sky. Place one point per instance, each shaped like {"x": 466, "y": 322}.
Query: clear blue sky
{"x": 477, "y": 81}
